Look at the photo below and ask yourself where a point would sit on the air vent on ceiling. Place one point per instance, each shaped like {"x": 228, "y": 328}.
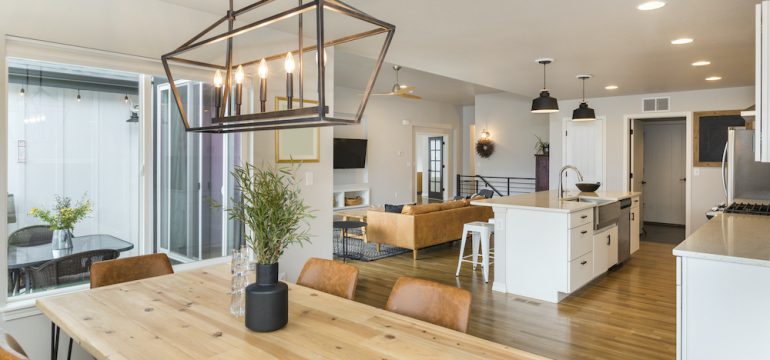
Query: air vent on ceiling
{"x": 656, "y": 104}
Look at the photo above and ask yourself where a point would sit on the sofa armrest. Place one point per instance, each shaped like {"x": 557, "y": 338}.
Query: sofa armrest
{"x": 390, "y": 228}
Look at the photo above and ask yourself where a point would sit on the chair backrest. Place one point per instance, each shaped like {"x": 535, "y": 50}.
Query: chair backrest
{"x": 330, "y": 277}
{"x": 430, "y": 301}
{"x": 129, "y": 269}
{"x": 10, "y": 348}
{"x": 31, "y": 236}
{"x": 486, "y": 193}
{"x": 68, "y": 269}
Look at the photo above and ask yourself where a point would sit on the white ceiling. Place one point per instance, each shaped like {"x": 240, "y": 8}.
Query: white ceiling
{"x": 353, "y": 72}
{"x": 495, "y": 42}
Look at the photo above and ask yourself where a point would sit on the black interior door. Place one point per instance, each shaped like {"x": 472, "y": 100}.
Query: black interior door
{"x": 436, "y": 167}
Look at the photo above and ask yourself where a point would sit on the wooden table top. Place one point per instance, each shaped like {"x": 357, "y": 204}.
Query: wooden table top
{"x": 186, "y": 316}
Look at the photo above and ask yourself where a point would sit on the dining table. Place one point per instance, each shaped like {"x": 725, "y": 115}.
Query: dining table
{"x": 186, "y": 316}
{"x": 22, "y": 257}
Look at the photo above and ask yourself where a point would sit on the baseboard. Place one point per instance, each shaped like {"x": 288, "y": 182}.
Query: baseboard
{"x": 663, "y": 224}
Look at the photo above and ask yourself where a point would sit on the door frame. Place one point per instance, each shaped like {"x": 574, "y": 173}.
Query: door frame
{"x": 446, "y": 130}
{"x": 627, "y": 145}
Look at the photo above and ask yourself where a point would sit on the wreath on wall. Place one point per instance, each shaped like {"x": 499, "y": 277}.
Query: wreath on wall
{"x": 485, "y": 148}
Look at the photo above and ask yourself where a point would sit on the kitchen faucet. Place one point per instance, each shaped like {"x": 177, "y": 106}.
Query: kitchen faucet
{"x": 561, "y": 177}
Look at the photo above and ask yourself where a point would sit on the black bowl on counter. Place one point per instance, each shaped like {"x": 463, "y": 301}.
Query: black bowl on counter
{"x": 588, "y": 187}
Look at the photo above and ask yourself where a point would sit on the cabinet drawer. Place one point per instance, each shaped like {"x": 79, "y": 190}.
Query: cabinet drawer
{"x": 581, "y": 217}
{"x": 580, "y": 271}
{"x": 580, "y": 240}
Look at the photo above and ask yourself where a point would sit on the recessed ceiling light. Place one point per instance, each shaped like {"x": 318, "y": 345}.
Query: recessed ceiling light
{"x": 651, "y": 5}
{"x": 713, "y": 78}
{"x": 611, "y": 87}
{"x": 681, "y": 41}
{"x": 701, "y": 63}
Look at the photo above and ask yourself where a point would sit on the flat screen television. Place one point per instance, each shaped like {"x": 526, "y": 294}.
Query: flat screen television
{"x": 349, "y": 153}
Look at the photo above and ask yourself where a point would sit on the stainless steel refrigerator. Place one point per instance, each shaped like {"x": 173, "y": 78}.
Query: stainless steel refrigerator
{"x": 748, "y": 181}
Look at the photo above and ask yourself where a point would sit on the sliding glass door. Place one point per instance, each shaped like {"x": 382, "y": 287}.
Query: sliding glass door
{"x": 193, "y": 182}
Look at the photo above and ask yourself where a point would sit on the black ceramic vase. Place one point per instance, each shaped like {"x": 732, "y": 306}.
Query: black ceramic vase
{"x": 267, "y": 301}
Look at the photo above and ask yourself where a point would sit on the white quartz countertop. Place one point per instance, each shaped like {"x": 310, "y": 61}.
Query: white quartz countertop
{"x": 549, "y": 200}
{"x": 737, "y": 238}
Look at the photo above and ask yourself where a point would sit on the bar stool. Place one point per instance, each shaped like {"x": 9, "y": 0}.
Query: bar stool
{"x": 480, "y": 234}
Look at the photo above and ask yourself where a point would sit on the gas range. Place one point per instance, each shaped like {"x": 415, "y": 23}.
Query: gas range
{"x": 748, "y": 208}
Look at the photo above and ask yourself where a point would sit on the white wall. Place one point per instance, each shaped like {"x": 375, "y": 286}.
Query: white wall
{"x": 513, "y": 128}
{"x": 389, "y": 153}
{"x": 468, "y": 152}
{"x": 706, "y": 186}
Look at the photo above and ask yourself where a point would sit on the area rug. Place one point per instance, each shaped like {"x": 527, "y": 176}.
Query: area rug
{"x": 358, "y": 250}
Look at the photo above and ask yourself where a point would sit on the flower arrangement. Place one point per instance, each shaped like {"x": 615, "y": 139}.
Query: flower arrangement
{"x": 63, "y": 216}
{"x": 271, "y": 206}
{"x": 542, "y": 147}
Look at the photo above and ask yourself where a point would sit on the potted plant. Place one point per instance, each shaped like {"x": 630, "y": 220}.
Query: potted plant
{"x": 271, "y": 207}
{"x": 542, "y": 147}
{"x": 62, "y": 219}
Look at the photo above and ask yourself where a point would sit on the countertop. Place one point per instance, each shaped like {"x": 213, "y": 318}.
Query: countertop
{"x": 549, "y": 200}
{"x": 743, "y": 239}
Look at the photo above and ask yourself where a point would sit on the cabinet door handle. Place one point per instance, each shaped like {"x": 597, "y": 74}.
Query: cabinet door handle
{"x": 633, "y": 217}
{"x": 584, "y": 231}
{"x": 609, "y": 238}
{"x": 583, "y": 262}
{"x": 584, "y": 216}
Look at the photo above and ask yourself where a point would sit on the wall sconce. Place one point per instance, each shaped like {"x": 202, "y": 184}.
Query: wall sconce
{"x": 485, "y": 134}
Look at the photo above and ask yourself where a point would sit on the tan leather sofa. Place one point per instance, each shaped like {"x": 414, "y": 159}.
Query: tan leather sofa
{"x": 421, "y": 226}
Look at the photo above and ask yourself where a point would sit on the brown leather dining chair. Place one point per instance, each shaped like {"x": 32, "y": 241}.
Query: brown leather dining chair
{"x": 118, "y": 271}
{"x": 430, "y": 301}
{"x": 330, "y": 277}
{"x": 10, "y": 348}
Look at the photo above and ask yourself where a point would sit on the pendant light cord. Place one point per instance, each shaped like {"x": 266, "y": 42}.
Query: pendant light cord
{"x": 544, "y": 64}
{"x": 584, "y": 89}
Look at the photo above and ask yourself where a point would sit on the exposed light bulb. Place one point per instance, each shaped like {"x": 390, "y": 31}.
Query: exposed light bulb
{"x": 289, "y": 63}
{"x": 125, "y": 99}
{"x": 21, "y": 92}
{"x": 262, "y": 69}
{"x": 239, "y": 74}
{"x": 218, "y": 79}
{"x": 78, "y": 97}
{"x": 485, "y": 134}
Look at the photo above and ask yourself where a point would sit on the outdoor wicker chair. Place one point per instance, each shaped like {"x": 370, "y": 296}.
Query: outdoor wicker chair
{"x": 67, "y": 269}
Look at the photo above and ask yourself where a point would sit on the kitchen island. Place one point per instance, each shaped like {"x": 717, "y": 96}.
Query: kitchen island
{"x": 723, "y": 289}
{"x": 547, "y": 247}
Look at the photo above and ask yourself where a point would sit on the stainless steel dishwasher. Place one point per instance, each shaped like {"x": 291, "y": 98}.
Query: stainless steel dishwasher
{"x": 624, "y": 231}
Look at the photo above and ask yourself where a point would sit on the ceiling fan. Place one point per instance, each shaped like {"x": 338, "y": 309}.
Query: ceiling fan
{"x": 403, "y": 91}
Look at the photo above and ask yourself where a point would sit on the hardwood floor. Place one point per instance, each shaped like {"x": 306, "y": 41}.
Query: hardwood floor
{"x": 628, "y": 313}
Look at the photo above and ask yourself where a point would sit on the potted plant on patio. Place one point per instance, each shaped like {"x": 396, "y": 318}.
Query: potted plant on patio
{"x": 62, "y": 219}
{"x": 271, "y": 207}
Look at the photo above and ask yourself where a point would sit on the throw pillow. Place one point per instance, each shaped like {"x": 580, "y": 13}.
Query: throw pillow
{"x": 394, "y": 208}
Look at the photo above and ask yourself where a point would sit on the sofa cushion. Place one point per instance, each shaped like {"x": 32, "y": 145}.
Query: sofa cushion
{"x": 453, "y": 205}
{"x": 420, "y": 209}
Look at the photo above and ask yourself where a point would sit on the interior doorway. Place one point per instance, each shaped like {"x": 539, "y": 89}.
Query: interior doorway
{"x": 431, "y": 164}
{"x": 659, "y": 171}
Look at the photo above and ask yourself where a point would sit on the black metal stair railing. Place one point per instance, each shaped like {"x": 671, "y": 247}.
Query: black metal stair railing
{"x": 501, "y": 185}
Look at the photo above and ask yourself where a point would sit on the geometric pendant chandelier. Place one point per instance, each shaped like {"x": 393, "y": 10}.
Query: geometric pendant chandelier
{"x": 259, "y": 39}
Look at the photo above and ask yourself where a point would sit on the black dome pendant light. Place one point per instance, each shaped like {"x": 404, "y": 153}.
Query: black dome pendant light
{"x": 544, "y": 103}
{"x": 583, "y": 112}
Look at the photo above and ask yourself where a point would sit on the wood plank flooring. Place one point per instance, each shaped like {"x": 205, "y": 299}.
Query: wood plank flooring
{"x": 629, "y": 313}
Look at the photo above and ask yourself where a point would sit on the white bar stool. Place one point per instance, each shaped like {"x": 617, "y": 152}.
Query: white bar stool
{"x": 480, "y": 233}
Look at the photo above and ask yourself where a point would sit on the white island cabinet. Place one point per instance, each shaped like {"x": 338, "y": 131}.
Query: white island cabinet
{"x": 545, "y": 246}
{"x": 723, "y": 289}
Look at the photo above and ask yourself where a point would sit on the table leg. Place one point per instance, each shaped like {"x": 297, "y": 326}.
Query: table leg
{"x": 344, "y": 245}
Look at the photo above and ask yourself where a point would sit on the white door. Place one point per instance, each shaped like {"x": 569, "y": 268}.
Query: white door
{"x": 584, "y": 148}
{"x": 664, "y": 173}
